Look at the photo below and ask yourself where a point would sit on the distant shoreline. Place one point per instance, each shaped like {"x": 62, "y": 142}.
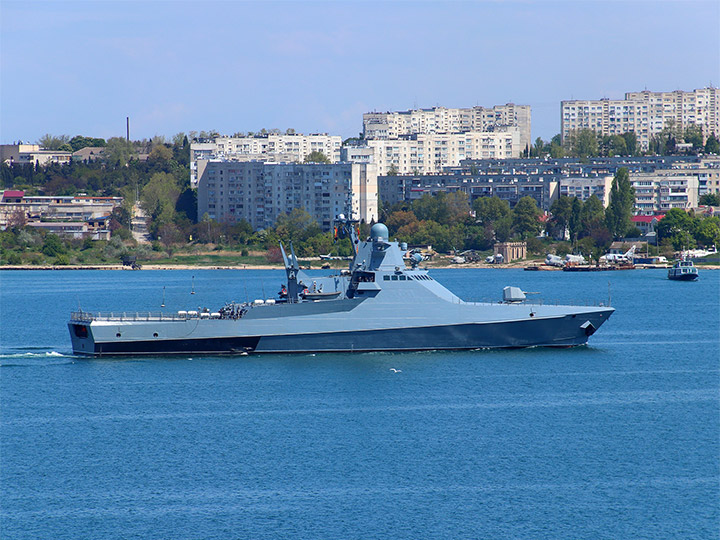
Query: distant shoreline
{"x": 150, "y": 266}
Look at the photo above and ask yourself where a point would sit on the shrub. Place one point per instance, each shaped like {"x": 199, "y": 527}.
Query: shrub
{"x": 535, "y": 246}
{"x": 53, "y": 246}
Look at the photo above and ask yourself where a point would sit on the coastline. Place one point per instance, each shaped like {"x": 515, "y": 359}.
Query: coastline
{"x": 150, "y": 266}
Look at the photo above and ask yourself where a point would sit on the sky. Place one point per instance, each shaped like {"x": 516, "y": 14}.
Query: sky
{"x": 81, "y": 68}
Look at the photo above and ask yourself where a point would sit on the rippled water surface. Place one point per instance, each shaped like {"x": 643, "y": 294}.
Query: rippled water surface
{"x": 619, "y": 439}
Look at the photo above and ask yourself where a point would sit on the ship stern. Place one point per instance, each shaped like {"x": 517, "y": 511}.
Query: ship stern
{"x": 81, "y": 337}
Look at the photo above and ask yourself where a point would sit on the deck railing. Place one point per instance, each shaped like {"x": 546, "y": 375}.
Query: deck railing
{"x": 86, "y": 316}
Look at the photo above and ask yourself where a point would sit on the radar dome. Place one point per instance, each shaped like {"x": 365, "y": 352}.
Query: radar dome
{"x": 379, "y": 231}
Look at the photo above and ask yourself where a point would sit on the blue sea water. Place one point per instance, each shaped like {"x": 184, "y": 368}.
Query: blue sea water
{"x": 619, "y": 439}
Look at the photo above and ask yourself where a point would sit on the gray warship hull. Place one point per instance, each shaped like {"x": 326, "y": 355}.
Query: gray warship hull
{"x": 362, "y": 328}
{"x": 377, "y": 305}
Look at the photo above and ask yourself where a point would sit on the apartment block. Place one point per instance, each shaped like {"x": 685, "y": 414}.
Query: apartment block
{"x": 644, "y": 113}
{"x": 395, "y": 189}
{"x": 428, "y": 153}
{"x": 230, "y": 191}
{"x": 546, "y": 179}
{"x": 665, "y": 189}
{"x": 585, "y": 187}
{"x": 273, "y": 147}
{"x": 393, "y": 125}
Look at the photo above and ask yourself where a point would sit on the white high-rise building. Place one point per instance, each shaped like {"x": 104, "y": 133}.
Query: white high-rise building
{"x": 392, "y": 125}
{"x": 427, "y": 153}
{"x": 273, "y": 147}
{"x": 230, "y": 191}
{"x": 644, "y": 113}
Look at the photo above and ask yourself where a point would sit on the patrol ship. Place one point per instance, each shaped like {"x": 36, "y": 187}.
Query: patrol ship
{"x": 378, "y": 304}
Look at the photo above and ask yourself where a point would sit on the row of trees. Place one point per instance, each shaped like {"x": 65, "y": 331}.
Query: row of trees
{"x": 586, "y": 143}
{"x": 682, "y": 230}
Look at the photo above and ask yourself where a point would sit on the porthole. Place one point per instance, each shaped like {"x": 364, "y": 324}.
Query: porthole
{"x": 118, "y": 334}
{"x": 155, "y": 334}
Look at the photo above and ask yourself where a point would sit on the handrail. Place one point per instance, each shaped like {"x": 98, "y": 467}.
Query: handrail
{"x": 86, "y": 316}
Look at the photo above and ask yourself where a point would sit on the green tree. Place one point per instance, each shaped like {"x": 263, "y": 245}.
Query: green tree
{"x": 525, "y": 218}
{"x": 556, "y": 148}
{"x": 707, "y": 232}
{"x": 693, "y": 135}
{"x": 490, "y": 209}
{"x": 583, "y": 143}
{"x": 712, "y": 145}
{"x": 560, "y": 210}
{"x": 392, "y": 170}
{"x": 118, "y": 152}
{"x": 710, "y": 199}
{"x": 622, "y": 199}
{"x": 78, "y": 142}
{"x": 53, "y": 246}
{"x": 296, "y": 227}
{"x": 676, "y": 226}
{"x": 399, "y": 219}
{"x": 160, "y": 153}
{"x": 618, "y": 147}
{"x": 592, "y": 215}
{"x": 630, "y": 142}
{"x": 159, "y": 198}
{"x": 52, "y": 142}
{"x": 575, "y": 222}
{"x": 502, "y": 228}
{"x": 316, "y": 157}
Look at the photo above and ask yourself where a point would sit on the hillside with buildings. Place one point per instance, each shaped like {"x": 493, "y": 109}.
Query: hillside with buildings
{"x": 427, "y": 172}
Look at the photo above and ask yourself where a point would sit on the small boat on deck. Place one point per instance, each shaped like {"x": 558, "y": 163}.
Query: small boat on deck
{"x": 683, "y": 271}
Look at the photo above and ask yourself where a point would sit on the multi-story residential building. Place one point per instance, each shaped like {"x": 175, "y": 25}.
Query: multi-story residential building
{"x": 395, "y": 189}
{"x": 230, "y": 191}
{"x": 80, "y": 217}
{"x": 393, "y": 125}
{"x": 585, "y": 187}
{"x": 272, "y": 147}
{"x": 644, "y": 113}
{"x": 665, "y": 189}
{"x": 431, "y": 152}
{"x": 546, "y": 179}
{"x": 31, "y": 154}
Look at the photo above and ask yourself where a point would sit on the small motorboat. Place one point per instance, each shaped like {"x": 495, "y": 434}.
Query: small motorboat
{"x": 683, "y": 271}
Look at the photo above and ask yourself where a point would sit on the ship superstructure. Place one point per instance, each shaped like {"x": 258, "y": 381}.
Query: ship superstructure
{"x": 377, "y": 304}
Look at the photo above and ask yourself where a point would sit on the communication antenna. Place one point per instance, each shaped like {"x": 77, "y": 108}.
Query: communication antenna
{"x": 609, "y": 295}
{"x": 163, "y": 301}
{"x": 192, "y": 289}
